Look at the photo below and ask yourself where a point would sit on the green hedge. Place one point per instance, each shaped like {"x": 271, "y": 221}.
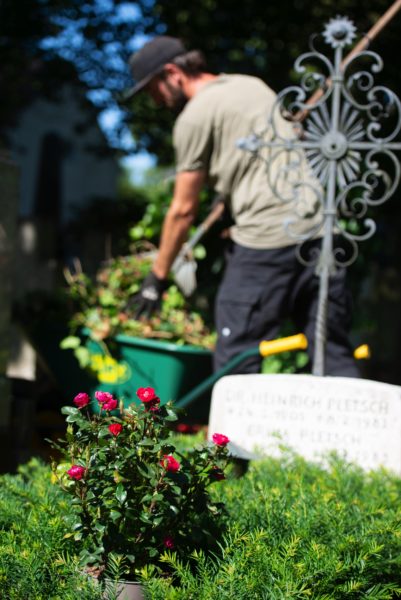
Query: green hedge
{"x": 301, "y": 531}
{"x": 297, "y": 531}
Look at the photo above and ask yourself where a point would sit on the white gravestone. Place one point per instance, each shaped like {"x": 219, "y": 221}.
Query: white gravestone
{"x": 359, "y": 419}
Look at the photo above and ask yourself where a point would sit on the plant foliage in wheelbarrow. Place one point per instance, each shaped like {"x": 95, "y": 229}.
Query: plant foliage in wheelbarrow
{"x": 99, "y": 305}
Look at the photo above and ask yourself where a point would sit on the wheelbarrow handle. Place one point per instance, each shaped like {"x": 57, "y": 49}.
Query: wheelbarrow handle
{"x": 265, "y": 348}
{"x": 292, "y": 342}
{"x": 362, "y": 352}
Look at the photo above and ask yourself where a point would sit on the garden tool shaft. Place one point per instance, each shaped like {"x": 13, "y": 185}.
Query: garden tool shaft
{"x": 184, "y": 266}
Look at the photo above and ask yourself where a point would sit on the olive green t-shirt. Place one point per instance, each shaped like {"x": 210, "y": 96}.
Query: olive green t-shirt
{"x": 262, "y": 200}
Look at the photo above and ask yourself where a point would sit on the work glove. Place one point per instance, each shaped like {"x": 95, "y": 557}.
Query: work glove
{"x": 148, "y": 299}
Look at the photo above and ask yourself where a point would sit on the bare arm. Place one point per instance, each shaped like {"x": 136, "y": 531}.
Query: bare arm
{"x": 179, "y": 218}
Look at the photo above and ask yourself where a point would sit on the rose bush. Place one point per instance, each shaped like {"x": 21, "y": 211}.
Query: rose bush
{"x": 133, "y": 494}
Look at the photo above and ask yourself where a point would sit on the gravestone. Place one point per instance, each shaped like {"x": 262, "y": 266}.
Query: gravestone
{"x": 359, "y": 419}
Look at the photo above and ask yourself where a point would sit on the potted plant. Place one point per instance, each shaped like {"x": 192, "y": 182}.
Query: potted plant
{"x": 133, "y": 494}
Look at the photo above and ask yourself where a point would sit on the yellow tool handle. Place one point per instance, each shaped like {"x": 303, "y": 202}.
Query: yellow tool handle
{"x": 362, "y": 351}
{"x": 292, "y": 342}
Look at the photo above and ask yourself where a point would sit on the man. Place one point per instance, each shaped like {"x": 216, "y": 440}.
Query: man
{"x": 263, "y": 283}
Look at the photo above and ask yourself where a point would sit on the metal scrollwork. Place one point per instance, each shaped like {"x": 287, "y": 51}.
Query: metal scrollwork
{"x": 348, "y": 139}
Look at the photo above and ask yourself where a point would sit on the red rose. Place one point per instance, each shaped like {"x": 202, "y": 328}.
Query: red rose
{"x": 170, "y": 463}
{"x": 219, "y": 439}
{"x": 76, "y": 472}
{"x": 103, "y": 397}
{"x": 146, "y": 394}
{"x": 81, "y": 400}
{"x": 110, "y": 404}
{"x": 115, "y": 429}
{"x": 168, "y": 542}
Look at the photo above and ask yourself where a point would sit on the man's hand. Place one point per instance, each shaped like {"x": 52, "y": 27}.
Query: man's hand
{"x": 180, "y": 216}
{"x": 148, "y": 299}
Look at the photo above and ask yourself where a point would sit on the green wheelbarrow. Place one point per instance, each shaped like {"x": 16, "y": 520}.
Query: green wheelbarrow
{"x": 182, "y": 374}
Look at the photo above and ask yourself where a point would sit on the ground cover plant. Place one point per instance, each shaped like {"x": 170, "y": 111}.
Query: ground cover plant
{"x": 296, "y": 530}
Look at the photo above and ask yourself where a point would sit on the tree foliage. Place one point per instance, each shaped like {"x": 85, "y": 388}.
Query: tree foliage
{"x": 46, "y": 43}
{"x": 94, "y": 38}
{"x": 257, "y": 38}
{"x": 264, "y": 38}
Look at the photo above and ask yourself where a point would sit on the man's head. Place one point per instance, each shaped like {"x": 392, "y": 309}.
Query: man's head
{"x": 162, "y": 68}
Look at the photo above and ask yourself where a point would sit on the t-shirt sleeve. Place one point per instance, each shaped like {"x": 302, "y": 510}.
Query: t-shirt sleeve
{"x": 192, "y": 145}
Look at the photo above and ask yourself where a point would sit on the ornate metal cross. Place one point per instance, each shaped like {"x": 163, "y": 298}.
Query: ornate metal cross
{"x": 348, "y": 139}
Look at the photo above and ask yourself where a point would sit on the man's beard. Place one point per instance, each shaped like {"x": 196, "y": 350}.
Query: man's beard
{"x": 177, "y": 98}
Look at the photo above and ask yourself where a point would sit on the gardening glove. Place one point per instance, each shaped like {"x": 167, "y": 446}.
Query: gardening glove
{"x": 148, "y": 299}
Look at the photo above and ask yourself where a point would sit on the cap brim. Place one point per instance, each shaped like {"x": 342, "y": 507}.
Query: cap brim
{"x": 138, "y": 87}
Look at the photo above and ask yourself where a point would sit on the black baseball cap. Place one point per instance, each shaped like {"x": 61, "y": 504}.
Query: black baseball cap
{"x": 150, "y": 60}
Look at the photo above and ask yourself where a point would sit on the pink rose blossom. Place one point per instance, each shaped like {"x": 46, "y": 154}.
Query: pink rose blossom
{"x": 110, "y": 405}
{"x": 81, "y": 400}
{"x": 147, "y": 394}
{"x": 149, "y": 398}
{"x": 103, "y": 397}
{"x": 76, "y": 472}
{"x": 169, "y": 542}
{"x": 115, "y": 429}
{"x": 170, "y": 463}
{"x": 220, "y": 439}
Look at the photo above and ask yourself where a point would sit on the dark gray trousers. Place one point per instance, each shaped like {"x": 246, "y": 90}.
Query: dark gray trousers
{"x": 262, "y": 288}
